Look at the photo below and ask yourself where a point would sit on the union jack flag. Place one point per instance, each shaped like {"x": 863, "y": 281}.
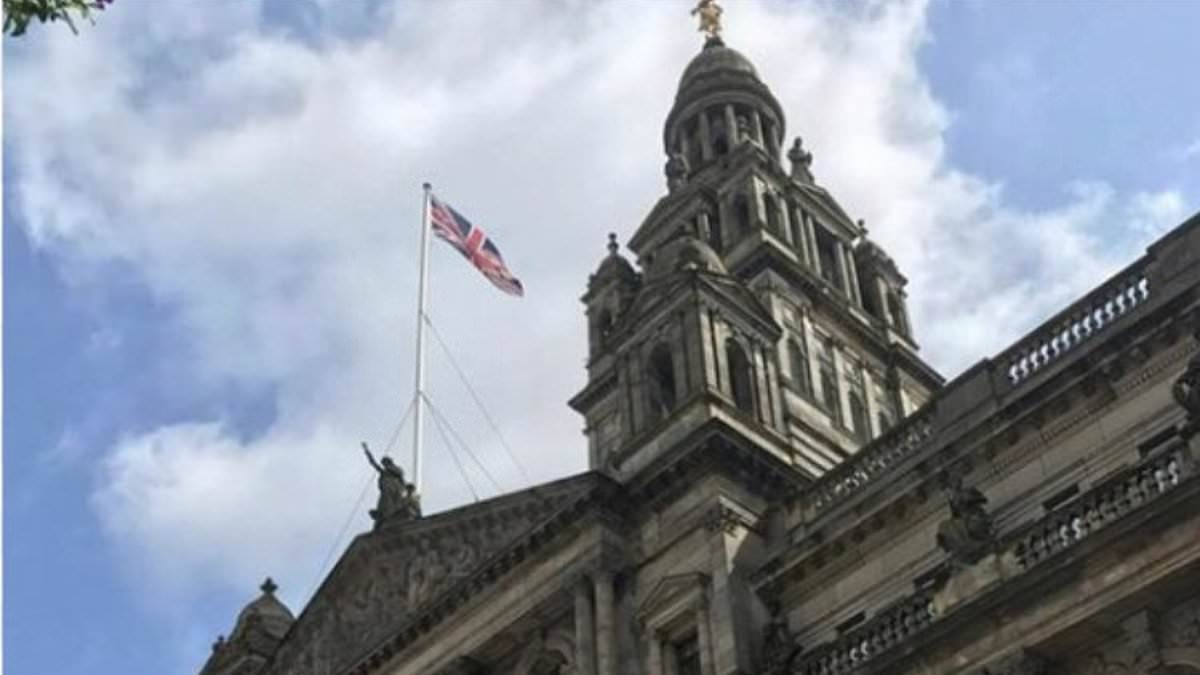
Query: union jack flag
{"x": 474, "y": 244}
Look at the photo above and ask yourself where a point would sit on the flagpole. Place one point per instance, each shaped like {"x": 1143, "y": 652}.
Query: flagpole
{"x": 422, "y": 287}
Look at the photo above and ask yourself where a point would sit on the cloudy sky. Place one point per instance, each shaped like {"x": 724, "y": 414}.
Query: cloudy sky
{"x": 211, "y": 222}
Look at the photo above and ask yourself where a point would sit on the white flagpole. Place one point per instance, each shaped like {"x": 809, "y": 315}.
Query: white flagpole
{"x": 419, "y": 402}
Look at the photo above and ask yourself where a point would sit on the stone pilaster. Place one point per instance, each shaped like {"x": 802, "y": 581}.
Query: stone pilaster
{"x": 585, "y": 633}
{"x": 606, "y": 633}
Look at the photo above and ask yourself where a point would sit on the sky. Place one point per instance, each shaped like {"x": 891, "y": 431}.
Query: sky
{"x": 210, "y": 238}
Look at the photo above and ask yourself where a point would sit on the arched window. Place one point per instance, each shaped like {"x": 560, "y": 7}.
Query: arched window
{"x": 720, "y": 145}
{"x": 774, "y": 217}
{"x": 661, "y": 382}
{"x": 741, "y": 379}
{"x": 885, "y": 423}
{"x": 741, "y": 211}
{"x": 830, "y": 397}
{"x": 798, "y": 366}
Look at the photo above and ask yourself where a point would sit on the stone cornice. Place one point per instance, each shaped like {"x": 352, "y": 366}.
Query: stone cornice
{"x": 958, "y": 437}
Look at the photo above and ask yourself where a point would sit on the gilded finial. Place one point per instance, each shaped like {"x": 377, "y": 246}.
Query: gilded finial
{"x": 710, "y": 18}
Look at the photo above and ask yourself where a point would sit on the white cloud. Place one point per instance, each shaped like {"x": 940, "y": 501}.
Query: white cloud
{"x": 270, "y": 199}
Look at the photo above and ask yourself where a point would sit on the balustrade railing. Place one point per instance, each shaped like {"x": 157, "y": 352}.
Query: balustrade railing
{"x": 1079, "y": 323}
{"x": 896, "y": 624}
{"x": 1103, "y": 505}
{"x": 886, "y": 451}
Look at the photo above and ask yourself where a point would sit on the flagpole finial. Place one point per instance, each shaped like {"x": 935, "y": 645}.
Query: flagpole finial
{"x": 426, "y": 186}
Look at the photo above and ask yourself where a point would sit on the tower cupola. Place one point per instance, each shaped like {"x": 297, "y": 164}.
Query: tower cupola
{"x": 721, "y": 103}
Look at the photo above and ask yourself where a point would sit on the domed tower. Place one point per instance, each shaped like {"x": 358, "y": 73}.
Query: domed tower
{"x": 760, "y": 305}
{"x": 260, "y": 628}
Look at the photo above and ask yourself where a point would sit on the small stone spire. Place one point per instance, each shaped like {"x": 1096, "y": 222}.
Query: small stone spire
{"x": 613, "y": 246}
{"x": 268, "y": 587}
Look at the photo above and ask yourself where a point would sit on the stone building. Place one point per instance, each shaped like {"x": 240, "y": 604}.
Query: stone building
{"x": 780, "y": 484}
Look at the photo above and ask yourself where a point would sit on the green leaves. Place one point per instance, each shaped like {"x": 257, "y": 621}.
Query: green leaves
{"x": 19, "y": 13}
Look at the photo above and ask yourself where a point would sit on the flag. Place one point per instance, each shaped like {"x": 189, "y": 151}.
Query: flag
{"x": 474, "y": 244}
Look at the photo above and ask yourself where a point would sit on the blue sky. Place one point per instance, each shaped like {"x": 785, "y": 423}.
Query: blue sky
{"x": 209, "y": 228}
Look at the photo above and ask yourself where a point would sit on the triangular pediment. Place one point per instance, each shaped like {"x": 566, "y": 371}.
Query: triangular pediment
{"x": 670, "y": 593}
{"x": 388, "y": 577}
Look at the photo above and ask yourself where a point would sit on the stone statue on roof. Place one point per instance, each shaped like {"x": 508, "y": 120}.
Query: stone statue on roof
{"x": 969, "y": 534}
{"x": 397, "y": 497}
{"x": 710, "y": 18}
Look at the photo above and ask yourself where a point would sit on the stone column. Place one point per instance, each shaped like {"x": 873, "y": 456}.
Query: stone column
{"x": 654, "y": 660}
{"x": 585, "y": 648}
{"x": 773, "y": 140}
{"x": 810, "y": 231}
{"x": 757, "y": 127}
{"x": 852, "y": 274}
{"x": 706, "y": 148}
{"x": 704, "y": 640}
{"x": 735, "y": 137}
{"x": 606, "y": 628}
{"x": 842, "y": 255}
{"x": 881, "y": 294}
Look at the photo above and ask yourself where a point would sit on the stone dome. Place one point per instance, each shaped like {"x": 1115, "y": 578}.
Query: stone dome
{"x": 614, "y": 265}
{"x": 266, "y": 612}
{"x": 714, "y": 60}
{"x": 693, "y": 252}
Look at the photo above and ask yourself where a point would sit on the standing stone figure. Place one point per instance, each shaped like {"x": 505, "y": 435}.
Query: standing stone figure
{"x": 1187, "y": 394}
{"x": 969, "y": 534}
{"x": 710, "y": 18}
{"x": 677, "y": 170}
{"x": 397, "y": 497}
{"x": 801, "y": 162}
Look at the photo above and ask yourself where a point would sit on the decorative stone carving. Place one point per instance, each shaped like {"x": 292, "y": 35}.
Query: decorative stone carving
{"x": 710, "y": 18}
{"x": 397, "y": 497}
{"x": 1187, "y": 395}
{"x": 677, "y": 170}
{"x": 801, "y": 160}
{"x": 779, "y": 644}
{"x": 968, "y": 535}
{"x": 391, "y": 575}
{"x": 1181, "y": 626}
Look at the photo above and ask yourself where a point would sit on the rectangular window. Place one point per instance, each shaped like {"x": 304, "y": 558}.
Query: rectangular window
{"x": 827, "y": 256}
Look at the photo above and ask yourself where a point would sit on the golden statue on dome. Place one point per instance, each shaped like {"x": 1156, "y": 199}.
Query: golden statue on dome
{"x": 710, "y": 18}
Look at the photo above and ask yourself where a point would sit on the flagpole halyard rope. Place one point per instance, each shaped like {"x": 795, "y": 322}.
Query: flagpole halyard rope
{"x": 437, "y": 336}
{"x": 438, "y": 415}
{"x": 462, "y": 471}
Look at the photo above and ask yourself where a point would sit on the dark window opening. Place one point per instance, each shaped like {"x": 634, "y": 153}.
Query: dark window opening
{"x": 897, "y": 311}
{"x": 774, "y": 217}
{"x": 687, "y": 655}
{"x": 798, "y": 361}
{"x": 720, "y": 145}
{"x": 869, "y": 296}
{"x": 740, "y": 379}
{"x": 884, "y": 422}
{"x": 741, "y": 211}
{"x": 828, "y": 255}
{"x": 661, "y": 382}
{"x": 604, "y": 324}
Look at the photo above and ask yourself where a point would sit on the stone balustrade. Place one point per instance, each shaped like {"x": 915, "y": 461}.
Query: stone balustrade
{"x": 886, "y": 451}
{"x": 893, "y": 626}
{"x": 1079, "y": 323}
{"x": 1025, "y": 549}
{"x": 1101, "y": 507}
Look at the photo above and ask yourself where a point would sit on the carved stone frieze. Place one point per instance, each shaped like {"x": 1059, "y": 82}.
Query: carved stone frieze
{"x": 390, "y": 575}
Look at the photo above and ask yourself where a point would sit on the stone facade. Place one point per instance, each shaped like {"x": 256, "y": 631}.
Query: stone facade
{"x": 780, "y": 484}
